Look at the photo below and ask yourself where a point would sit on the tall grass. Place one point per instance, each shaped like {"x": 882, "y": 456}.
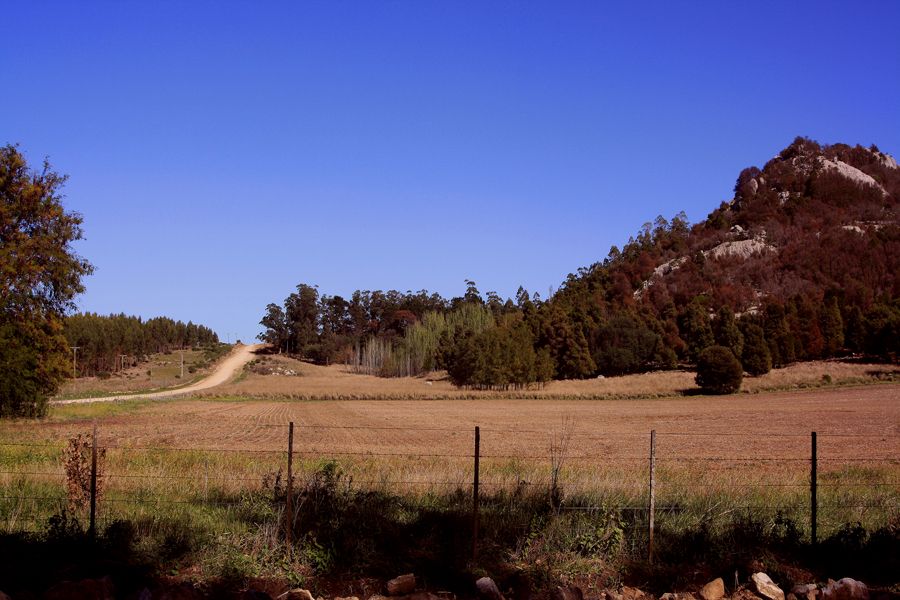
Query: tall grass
{"x": 221, "y": 513}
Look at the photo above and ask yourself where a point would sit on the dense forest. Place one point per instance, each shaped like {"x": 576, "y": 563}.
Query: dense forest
{"x": 803, "y": 263}
{"x": 110, "y": 343}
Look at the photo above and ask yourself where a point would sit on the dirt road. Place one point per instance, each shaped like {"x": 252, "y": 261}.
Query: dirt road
{"x": 227, "y": 369}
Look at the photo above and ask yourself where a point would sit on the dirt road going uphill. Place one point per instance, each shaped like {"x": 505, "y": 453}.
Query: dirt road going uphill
{"x": 227, "y": 369}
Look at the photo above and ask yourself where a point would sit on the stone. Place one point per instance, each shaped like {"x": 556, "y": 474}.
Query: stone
{"x": 567, "y": 592}
{"x": 714, "y": 590}
{"x": 764, "y": 586}
{"x": 86, "y": 589}
{"x": 402, "y": 585}
{"x": 296, "y": 594}
{"x": 487, "y": 589}
{"x": 742, "y": 593}
{"x": 346, "y": 598}
{"x": 611, "y": 595}
{"x": 806, "y": 591}
{"x": 630, "y": 593}
{"x": 845, "y": 589}
{"x": 669, "y": 596}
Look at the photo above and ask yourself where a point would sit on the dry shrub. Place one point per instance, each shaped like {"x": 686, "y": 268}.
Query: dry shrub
{"x": 76, "y": 461}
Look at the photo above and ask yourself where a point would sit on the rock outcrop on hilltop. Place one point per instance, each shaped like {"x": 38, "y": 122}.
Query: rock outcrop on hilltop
{"x": 814, "y": 220}
{"x": 807, "y": 251}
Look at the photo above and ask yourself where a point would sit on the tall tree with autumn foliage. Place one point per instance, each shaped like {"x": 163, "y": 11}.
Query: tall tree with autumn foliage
{"x": 40, "y": 275}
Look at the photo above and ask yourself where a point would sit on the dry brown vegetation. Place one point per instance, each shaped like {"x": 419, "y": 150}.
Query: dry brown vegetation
{"x": 718, "y": 457}
{"x": 161, "y": 371}
{"x": 259, "y": 424}
{"x": 340, "y": 382}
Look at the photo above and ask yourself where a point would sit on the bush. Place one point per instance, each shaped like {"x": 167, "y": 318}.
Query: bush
{"x": 718, "y": 371}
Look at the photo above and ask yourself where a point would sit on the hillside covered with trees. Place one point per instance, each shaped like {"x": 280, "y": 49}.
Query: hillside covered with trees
{"x": 109, "y": 343}
{"x": 803, "y": 263}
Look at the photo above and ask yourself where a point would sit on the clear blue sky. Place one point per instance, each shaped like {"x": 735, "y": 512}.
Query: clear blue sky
{"x": 223, "y": 152}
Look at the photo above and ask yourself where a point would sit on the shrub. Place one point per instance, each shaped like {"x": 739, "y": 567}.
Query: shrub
{"x": 718, "y": 371}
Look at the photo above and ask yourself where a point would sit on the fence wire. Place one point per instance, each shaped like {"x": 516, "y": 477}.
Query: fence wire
{"x": 606, "y": 476}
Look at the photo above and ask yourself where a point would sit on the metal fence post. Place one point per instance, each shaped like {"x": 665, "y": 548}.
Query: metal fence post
{"x": 289, "y": 521}
{"x": 652, "y": 507}
{"x": 813, "y": 484}
{"x": 475, "y": 498}
{"x": 93, "y": 523}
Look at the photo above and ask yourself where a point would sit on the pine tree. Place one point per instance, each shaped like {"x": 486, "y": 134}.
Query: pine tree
{"x": 832, "y": 326}
{"x": 755, "y": 356}
{"x": 726, "y": 331}
{"x": 695, "y": 329}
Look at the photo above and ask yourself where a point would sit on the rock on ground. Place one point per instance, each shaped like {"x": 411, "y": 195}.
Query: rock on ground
{"x": 765, "y": 587}
{"x": 630, "y": 593}
{"x": 714, "y": 590}
{"x": 845, "y": 589}
{"x": 402, "y": 585}
{"x": 567, "y": 592}
{"x": 806, "y": 591}
{"x": 487, "y": 589}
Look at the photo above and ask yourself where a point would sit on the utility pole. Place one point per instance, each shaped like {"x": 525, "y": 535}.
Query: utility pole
{"x": 75, "y": 361}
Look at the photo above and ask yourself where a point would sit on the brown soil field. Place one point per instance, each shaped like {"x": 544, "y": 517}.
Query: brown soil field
{"x": 746, "y": 451}
{"x": 340, "y": 382}
{"x": 859, "y": 421}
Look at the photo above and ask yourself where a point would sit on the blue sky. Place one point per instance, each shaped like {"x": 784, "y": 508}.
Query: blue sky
{"x": 222, "y": 152}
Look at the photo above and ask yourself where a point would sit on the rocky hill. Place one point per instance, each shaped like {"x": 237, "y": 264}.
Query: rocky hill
{"x": 815, "y": 220}
{"x": 813, "y": 233}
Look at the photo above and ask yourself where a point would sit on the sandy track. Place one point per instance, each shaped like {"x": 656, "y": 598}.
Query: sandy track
{"x": 227, "y": 369}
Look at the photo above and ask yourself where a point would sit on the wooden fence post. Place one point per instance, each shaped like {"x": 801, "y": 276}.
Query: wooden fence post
{"x": 652, "y": 506}
{"x": 93, "y": 523}
{"x": 475, "y": 498}
{"x": 813, "y": 484}
{"x": 289, "y": 521}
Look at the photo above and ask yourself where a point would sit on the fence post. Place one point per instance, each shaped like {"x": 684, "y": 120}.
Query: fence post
{"x": 289, "y": 521}
{"x": 652, "y": 506}
{"x": 813, "y": 484}
{"x": 93, "y": 523}
{"x": 475, "y": 498}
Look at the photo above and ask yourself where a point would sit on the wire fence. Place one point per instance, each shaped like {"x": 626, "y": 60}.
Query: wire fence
{"x": 647, "y": 481}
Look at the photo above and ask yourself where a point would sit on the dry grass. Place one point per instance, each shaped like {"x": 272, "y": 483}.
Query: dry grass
{"x": 339, "y": 382}
{"x": 721, "y": 452}
{"x": 161, "y": 371}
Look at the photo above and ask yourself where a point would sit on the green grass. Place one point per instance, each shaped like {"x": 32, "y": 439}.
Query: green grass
{"x": 220, "y": 515}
